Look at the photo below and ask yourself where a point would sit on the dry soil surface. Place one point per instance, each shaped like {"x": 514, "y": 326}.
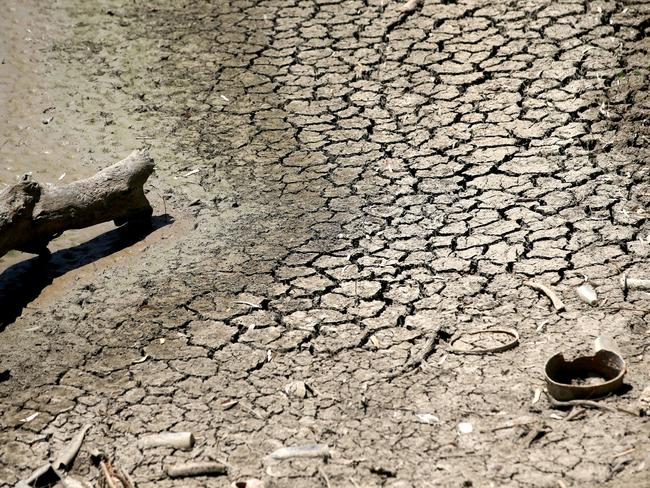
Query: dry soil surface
{"x": 342, "y": 187}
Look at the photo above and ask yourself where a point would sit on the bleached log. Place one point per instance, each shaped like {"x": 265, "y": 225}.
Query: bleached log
{"x": 31, "y": 215}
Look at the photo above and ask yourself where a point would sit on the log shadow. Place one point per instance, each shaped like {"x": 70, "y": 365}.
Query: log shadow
{"x": 23, "y": 282}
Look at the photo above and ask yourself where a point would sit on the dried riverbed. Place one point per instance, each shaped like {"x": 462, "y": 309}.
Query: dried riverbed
{"x": 340, "y": 187}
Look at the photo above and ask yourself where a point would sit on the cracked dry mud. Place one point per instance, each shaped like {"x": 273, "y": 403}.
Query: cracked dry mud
{"x": 370, "y": 181}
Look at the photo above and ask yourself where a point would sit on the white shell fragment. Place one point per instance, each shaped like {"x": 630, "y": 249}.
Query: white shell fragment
{"x": 465, "y": 428}
{"x": 536, "y": 396}
{"x": 427, "y": 418}
{"x": 587, "y": 294}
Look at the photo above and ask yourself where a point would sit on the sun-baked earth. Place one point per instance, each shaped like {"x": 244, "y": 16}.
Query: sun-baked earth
{"x": 342, "y": 186}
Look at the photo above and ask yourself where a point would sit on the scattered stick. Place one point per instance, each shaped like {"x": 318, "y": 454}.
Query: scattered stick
{"x": 511, "y": 425}
{"x": 534, "y": 434}
{"x": 555, "y": 300}
{"x": 585, "y": 403}
{"x": 196, "y": 469}
{"x": 325, "y": 477}
{"x": 125, "y": 479}
{"x": 428, "y": 348}
{"x": 489, "y": 350}
{"x": 356, "y": 485}
{"x": 575, "y": 413}
{"x": 107, "y": 474}
{"x": 67, "y": 456}
{"x": 624, "y": 453}
{"x": 252, "y": 411}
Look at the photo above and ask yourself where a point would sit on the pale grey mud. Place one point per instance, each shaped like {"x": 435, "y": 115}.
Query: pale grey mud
{"x": 341, "y": 186}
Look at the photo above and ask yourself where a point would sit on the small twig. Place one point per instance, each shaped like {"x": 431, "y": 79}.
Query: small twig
{"x": 624, "y": 453}
{"x": 585, "y": 403}
{"x": 629, "y": 309}
{"x": 324, "y": 475}
{"x": 120, "y": 475}
{"x": 130, "y": 483}
{"x": 511, "y": 425}
{"x": 428, "y": 347}
{"x": 250, "y": 304}
{"x": 574, "y": 413}
{"x": 534, "y": 434}
{"x": 356, "y": 485}
{"x": 250, "y": 410}
{"x": 107, "y": 474}
{"x": 555, "y": 300}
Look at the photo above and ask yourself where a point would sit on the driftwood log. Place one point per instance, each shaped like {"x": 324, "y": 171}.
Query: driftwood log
{"x": 31, "y": 215}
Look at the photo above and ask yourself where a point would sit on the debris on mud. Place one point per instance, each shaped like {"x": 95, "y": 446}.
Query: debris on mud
{"x": 427, "y": 418}
{"x": 465, "y": 428}
{"x": 100, "y": 459}
{"x": 53, "y": 472}
{"x": 298, "y": 389}
{"x": 67, "y": 456}
{"x": 644, "y": 402}
{"x": 513, "y": 342}
{"x": 373, "y": 176}
{"x": 196, "y": 469}
{"x": 43, "y": 476}
{"x": 634, "y": 283}
{"x": 228, "y": 404}
{"x": 411, "y": 6}
{"x": 548, "y": 291}
{"x": 29, "y": 418}
{"x": 177, "y": 440}
{"x": 586, "y": 376}
{"x": 587, "y": 294}
{"x": 306, "y": 451}
{"x": 585, "y": 403}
